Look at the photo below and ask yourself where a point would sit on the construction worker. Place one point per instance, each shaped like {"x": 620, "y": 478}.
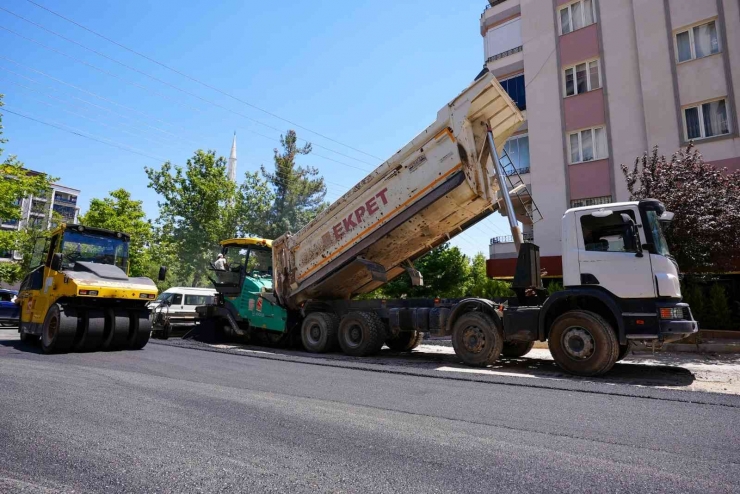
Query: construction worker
{"x": 220, "y": 264}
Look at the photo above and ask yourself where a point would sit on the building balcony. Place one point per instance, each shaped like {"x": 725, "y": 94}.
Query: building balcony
{"x": 64, "y": 201}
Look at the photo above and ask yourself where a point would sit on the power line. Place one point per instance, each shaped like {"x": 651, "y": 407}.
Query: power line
{"x": 79, "y": 133}
{"x": 78, "y": 114}
{"x": 134, "y": 69}
{"x": 190, "y": 140}
{"x": 197, "y": 80}
{"x": 96, "y": 96}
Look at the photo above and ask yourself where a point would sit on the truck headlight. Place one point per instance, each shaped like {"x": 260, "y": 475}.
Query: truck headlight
{"x": 148, "y": 296}
{"x": 671, "y": 313}
{"x": 89, "y": 293}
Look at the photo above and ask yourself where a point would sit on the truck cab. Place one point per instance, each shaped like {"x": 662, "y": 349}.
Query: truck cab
{"x": 620, "y": 249}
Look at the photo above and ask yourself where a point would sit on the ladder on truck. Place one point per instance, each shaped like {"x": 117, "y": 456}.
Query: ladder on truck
{"x": 518, "y": 190}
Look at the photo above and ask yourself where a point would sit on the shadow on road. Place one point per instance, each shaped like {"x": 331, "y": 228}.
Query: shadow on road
{"x": 655, "y": 374}
{"x": 22, "y": 346}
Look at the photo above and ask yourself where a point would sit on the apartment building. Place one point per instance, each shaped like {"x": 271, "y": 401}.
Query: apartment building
{"x": 601, "y": 82}
{"x": 38, "y": 211}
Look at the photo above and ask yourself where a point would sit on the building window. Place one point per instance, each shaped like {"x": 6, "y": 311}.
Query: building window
{"x": 588, "y": 145}
{"x": 582, "y": 78}
{"x": 515, "y": 88}
{"x": 592, "y": 201}
{"x": 706, "y": 120}
{"x": 697, "y": 42}
{"x": 518, "y": 150}
{"x": 577, "y": 15}
{"x": 6, "y": 254}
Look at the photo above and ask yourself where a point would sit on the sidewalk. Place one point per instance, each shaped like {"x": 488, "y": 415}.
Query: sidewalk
{"x": 705, "y": 341}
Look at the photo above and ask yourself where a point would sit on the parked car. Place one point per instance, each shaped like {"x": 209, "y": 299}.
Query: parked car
{"x": 9, "y": 310}
{"x": 175, "y": 308}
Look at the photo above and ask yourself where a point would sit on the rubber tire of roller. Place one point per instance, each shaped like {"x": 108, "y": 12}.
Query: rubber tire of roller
{"x": 117, "y": 325}
{"x": 90, "y": 335}
{"x": 142, "y": 327}
{"x": 63, "y": 336}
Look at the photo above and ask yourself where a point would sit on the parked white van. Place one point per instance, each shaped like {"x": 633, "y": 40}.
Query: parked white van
{"x": 175, "y": 307}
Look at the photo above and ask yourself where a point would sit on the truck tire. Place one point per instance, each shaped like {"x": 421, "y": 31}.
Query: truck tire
{"x": 516, "y": 349}
{"x": 361, "y": 334}
{"x": 477, "y": 339}
{"x": 117, "y": 327}
{"x": 583, "y": 343}
{"x": 58, "y": 332}
{"x": 92, "y": 329}
{"x": 624, "y": 350}
{"x": 319, "y": 332}
{"x": 142, "y": 327}
{"x": 405, "y": 341}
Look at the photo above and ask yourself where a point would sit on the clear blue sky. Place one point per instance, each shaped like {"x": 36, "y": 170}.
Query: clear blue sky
{"x": 367, "y": 74}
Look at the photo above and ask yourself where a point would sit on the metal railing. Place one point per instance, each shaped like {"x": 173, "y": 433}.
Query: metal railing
{"x": 508, "y": 239}
{"x": 505, "y": 54}
{"x": 61, "y": 200}
{"x": 493, "y": 3}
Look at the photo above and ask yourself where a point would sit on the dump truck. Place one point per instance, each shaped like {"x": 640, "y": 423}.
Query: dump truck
{"x": 621, "y": 285}
{"x": 78, "y": 295}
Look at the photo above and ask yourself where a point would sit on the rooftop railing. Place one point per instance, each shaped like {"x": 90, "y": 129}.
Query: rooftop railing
{"x": 508, "y": 239}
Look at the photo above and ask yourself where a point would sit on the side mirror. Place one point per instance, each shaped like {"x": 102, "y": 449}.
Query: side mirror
{"x": 162, "y": 273}
{"x": 56, "y": 262}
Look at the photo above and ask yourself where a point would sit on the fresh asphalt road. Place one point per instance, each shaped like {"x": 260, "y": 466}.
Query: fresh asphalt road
{"x": 172, "y": 419}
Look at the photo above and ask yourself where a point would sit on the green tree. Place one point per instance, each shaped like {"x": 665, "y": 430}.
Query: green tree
{"x": 718, "y": 315}
{"x": 299, "y": 191}
{"x": 197, "y": 211}
{"x": 480, "y": 285}
{"x": 16, "y": 184}
{"x": 120, "y": 213}
{"x": 446, "y": 274}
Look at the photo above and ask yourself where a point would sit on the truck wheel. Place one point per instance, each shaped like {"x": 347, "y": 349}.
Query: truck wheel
{"x": 583, "y": 343}
{"x": 58, "y": 332}
{"x": 405, "y": 341}
{"x": 516, "y": 349}
{"x": 319, "y": 332}
{"x": 361, "y": 334}
{"x": 142, "y": 327}
{"x": 116, "y": 330}
{"x": 624, "y": 350}
{"x": 477, "y": 339}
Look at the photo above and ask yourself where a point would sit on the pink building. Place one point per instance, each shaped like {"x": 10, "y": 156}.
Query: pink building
{"x": 600, "y": 83}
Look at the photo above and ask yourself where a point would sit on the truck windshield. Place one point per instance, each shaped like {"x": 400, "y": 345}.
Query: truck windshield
{"x": 77, "y": 246}
{"x": 661, "y": 246}
{"x": 259, "y": 263}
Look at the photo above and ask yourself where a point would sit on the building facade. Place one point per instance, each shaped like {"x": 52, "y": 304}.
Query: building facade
{"x": 39, "y": 211}
{"x": 601, "y": 82}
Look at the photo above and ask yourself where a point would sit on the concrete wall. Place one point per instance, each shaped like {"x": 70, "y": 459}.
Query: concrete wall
{"x": 542, "y": 77}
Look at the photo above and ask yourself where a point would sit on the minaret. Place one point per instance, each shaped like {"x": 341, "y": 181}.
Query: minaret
{"x": 231, "y": 170}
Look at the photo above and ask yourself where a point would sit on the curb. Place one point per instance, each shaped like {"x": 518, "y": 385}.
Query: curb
{"x": 729, "y": 347}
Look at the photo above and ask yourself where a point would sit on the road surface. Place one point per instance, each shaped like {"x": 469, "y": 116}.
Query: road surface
{"x": 176, "y": 419}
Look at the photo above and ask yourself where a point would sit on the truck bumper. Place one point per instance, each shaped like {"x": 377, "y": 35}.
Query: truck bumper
{"x": 651, "y": 326}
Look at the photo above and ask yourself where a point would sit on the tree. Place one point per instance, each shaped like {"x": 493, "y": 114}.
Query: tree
{"x": 198, "y": 210}
{"x": 298, "y": 191}
{"x": 16, "y": 183}
{"x": 120, "y": 213}
{"x": 705, "y": 234}
{"x": 718, "y": 315}
{"x": 480, "y": 285}
{"x": 446, "y": 272}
